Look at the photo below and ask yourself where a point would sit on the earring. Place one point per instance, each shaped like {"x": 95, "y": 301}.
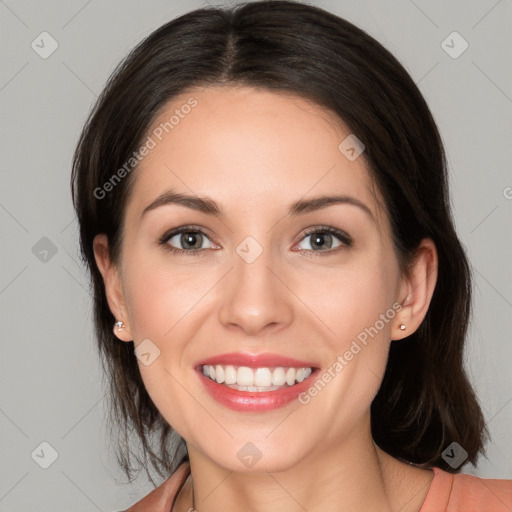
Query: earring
{"x": 119, "y": 325}
{"x": 402, "y": 327}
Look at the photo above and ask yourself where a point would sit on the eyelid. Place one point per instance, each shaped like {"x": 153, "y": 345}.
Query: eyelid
{"x": 323, "y": 229}
{"x": 185, "y": 229}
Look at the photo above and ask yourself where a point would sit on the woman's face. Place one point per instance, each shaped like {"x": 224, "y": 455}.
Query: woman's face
{"x": 266, "y": 280}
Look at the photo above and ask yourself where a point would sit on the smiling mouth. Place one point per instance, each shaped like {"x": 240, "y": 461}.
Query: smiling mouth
{"x": 261, "y": 379}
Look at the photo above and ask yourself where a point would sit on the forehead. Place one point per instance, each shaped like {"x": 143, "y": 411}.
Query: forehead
{"x": 248, "y": 147}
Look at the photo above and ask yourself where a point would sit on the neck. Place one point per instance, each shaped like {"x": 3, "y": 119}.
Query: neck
{"x": 355, "y": 475}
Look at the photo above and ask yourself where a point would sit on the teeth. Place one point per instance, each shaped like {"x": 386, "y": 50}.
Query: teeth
{"x": 290, "y": 376}
{"x": 254, "y": 388}
{"x": 303, "y": 373}
{"x": 219, "y": 374}
{"x": 244, "y": 376}
{"x": 262, "y": 377}
{"x": 255, "y": 379}
{"x": 278, "y": 377}
{"x": 229, "y": 375}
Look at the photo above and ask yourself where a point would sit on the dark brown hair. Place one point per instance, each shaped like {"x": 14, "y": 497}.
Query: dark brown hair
{"x": 426, "y": 401}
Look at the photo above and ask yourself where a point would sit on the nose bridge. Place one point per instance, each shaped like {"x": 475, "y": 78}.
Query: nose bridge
{"x": 254, "y": 298}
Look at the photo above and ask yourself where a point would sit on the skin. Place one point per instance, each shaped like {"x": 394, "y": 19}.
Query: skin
{"x": 255, "y": 152}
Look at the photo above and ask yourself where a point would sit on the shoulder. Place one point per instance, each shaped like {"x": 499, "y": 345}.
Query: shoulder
{"x": 481, "y": 493}
{"x": 162, "y": 498}
{"x": 460, "y": 492}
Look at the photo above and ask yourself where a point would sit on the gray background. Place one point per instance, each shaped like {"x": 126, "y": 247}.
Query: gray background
{"x": 50, "y": 375}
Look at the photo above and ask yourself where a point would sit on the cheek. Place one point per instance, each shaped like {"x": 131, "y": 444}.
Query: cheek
{"x": 355, "y": 306}
{"x": 350, "y": 301}
{"x": 159, "y": 296}
{"x": 162, "y": 301}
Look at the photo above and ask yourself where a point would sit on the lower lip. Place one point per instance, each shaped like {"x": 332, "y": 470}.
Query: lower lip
{"x": 252, "y": 401}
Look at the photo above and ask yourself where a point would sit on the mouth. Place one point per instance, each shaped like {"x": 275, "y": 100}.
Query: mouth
{"x": 252, "y": 387}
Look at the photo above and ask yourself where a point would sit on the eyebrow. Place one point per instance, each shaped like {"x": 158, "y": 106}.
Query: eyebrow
{"x": 210, "y": 207}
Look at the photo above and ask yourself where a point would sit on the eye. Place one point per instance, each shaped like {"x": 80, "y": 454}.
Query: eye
{"x": 189, "y": 240}
{"x": 325, "y": 240}
{"x": 193, "y": 241}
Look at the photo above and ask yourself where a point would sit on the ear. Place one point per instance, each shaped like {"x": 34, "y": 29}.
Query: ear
{"x": 113, "y": 288}
{"x": 416, "y": 290}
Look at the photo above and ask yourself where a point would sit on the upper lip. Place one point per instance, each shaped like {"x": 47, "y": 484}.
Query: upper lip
{"x": 256, "y": 360}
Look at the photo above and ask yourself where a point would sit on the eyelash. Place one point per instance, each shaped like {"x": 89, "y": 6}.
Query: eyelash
{"x": 340, "y": 235}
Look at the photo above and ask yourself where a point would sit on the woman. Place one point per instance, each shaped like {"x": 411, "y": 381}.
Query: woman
{"x": 281, "y": 299}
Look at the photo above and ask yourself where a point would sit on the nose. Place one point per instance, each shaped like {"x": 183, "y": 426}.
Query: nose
{"x": 255, "y": 300}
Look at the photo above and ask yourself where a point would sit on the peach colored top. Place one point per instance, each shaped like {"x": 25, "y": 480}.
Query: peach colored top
{"x": 448, "y": 493}
{"x": 467, "y": 493}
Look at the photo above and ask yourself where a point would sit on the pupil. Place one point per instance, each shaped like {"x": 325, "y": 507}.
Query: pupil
{"x": 319, "y": 240}
{"x": 191, "y": 239}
